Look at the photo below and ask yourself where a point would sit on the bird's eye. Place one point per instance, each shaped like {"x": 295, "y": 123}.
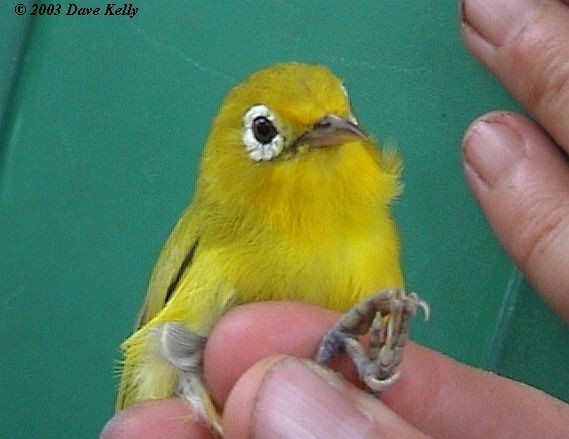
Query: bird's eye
{"x": 264, "y": 130}
{"x": 261, "y": 135}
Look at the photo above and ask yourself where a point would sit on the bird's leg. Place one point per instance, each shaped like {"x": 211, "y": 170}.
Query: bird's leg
{"x": 386, "y": 316}
{"x": 183, "y": 349}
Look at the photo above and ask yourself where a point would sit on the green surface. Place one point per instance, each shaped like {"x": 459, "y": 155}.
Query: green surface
{"x": 103, "y": 122}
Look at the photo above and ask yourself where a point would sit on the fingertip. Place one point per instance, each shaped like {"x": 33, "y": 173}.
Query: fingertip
{"x": 521, "y": 180}
{"x": 492, "y": 147}
{"x": 240, "y": 405}
{"x": 523, "y": 43}
{"x": 168, "y": 418}
{"x": 291, "y": 398}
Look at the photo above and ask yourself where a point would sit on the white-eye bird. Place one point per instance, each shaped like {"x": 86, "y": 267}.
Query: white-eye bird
{"x": 292, "y": 203}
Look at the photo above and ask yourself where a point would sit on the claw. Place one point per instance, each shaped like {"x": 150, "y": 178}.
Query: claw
{"x": 376, "y": 337}
{"x": 386, "y": 355}
{"x": 424, "y": 306}
{"x": 421, "y": 304}
{"x": 381, "y": 385}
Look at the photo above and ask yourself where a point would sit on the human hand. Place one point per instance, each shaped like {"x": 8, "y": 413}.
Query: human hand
{"x": 521, "y": 179}
{"x": 284, "y": 396}
{"x": 518, "y": 170}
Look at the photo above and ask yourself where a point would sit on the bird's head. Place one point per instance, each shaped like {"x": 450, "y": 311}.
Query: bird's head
{"x": 288, "y": 131}
{"x": 282, "y": 111}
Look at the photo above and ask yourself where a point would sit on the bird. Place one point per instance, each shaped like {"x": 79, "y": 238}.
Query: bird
{"x": 292, "y": 202}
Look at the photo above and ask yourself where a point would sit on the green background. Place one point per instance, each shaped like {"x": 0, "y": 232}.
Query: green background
{"x": 103, "y": 120}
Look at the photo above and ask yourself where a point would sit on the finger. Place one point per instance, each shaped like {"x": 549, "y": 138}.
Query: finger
{"x": 440, "y": 397}
{"x": 524, "y": 43}
{"x": 447, "y": 399}
{"x": 286, "y": 397}
{"x": 521, "y": 180}
{"x": 168, "y": 419}
{"x": 289, "y": 328}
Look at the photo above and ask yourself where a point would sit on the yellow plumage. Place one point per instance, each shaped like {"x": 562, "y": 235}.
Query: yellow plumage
{"x": 310, "y": 223}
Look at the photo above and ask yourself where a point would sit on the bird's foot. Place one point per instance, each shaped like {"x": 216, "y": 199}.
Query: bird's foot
{"x": 386, "y": 316}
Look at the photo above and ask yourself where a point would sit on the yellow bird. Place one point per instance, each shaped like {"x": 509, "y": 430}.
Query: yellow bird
{"x": 292, "y": 203}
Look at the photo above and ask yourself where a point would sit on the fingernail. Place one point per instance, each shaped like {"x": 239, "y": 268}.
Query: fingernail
{"x": 164, "y": 418}
{"x": 492, "y": 149}
{"x": 300, "y": 401}
{"x": 498, "y": 21}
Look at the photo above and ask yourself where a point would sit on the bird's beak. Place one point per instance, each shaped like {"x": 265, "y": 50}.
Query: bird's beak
{"x": 329, "y": 131}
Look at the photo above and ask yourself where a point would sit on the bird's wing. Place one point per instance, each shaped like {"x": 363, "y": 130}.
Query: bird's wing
{"x": 175, "y": 258}
{"x": 174, "y": 261}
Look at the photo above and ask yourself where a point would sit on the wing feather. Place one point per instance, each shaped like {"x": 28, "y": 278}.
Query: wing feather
{"x": 175, "y": 258}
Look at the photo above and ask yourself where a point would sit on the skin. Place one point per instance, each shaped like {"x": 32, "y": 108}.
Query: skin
{"x": 519, "y": 173}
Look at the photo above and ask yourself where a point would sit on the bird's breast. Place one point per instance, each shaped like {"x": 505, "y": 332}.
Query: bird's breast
{"x": 333, "y": 270}
{"x": 316, "y": 229}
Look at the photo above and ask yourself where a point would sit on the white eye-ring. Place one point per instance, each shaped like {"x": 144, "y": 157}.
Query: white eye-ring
{"x": 260, "y": 134}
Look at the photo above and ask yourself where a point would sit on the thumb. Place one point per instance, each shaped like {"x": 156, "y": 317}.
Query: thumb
{"x": 286, "y": 397}
{"x": 521, "y": 180}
